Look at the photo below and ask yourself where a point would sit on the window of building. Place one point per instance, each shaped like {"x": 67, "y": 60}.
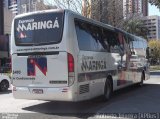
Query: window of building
{"x": 24, "y": 8}
{"x": 34, "y": 6}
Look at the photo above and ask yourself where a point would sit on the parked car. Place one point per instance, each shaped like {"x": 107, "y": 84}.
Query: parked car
{"x": 4, "y": 82}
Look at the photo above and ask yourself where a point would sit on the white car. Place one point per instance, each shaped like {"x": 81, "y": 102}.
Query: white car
{"x": 4, "y": 82}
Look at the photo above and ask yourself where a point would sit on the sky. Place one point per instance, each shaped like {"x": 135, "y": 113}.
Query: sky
{"x": 153, "y": 10}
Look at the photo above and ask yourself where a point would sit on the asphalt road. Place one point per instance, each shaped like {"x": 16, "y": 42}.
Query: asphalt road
{"x": 142, "y": 101}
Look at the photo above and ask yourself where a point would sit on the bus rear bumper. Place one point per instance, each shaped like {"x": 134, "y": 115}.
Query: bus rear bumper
{"x": 51, "y": 94}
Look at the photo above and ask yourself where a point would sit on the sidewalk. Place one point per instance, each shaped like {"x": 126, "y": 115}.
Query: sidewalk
{"x": 155, "y": 73}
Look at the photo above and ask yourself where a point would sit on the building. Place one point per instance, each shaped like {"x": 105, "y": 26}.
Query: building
{"x": 145, "y": 7}
{"x": 5, "y": 36}
{"x": 24, "y": 6}
{"x": 153, "y": 25}
{"x": 135, "y": 7}
{"x": 8, "y": 17}
{"x": 20, "y": 6}
{"x": 11, "y": 5}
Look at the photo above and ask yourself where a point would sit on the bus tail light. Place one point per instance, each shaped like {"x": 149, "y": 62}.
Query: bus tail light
{"x": 71, "y": 76}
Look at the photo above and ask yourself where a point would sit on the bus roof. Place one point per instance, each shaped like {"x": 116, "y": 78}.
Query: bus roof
{"x": 76, "y": 15}
{"x": 39, "y": 12}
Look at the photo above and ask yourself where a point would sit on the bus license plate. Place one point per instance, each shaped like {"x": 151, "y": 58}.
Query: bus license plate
{"x": 37, "y": 91}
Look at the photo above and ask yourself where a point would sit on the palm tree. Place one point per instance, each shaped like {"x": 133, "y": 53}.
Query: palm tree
{"x": 155, "y": 2}
{"x": 136, "y": 27}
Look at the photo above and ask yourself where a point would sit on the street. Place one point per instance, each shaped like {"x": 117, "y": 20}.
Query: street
{"x": 133, "y": 99}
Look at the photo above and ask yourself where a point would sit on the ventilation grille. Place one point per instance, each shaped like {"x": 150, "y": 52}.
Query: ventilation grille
{"x": 84, "y": 88}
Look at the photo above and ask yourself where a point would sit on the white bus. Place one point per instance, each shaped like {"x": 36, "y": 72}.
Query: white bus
{"x": 62, "y": 56}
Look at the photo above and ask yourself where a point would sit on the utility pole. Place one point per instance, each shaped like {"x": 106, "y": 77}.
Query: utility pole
{"x": 1, "y": 18}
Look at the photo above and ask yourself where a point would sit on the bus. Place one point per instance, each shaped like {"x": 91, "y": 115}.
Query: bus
{"x": 59, "y": 55}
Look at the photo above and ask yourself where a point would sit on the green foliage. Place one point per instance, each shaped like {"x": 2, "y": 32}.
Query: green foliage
{"x": 155, "y": 2}
{"x": 152, "y": 68}
{"x": 135, "y": 26}
{"x": 155, "y": 49}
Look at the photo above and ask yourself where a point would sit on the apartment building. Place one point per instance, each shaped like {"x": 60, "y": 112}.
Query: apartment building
{"x": 24, "y": 6}
{"x": 153, "y": 25}
{"x": 5, "y": 36}
{"x": 145, "y": 7}
{"x": 135, "y": 7}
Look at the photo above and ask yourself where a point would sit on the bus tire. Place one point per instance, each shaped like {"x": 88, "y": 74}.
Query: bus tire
{"x": 142, "y": 79}
{"x": 107, "y": 90}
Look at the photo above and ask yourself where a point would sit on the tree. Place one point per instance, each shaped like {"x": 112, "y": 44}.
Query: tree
{"x": 135, "y": 26}
{"x": 74, "y": 5}
{"x": 41, "y": 6}
{"x": 155, "y": 2}
{"x": 115, "y": 12}
{"x": 155, "y": 50}
{"x": 106, "y": 11}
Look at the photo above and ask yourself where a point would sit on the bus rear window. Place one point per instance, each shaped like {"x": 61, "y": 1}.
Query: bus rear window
{"x": 39, "y": 29}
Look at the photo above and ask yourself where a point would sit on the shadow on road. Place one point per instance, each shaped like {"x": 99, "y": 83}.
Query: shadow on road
{"x": 83, "y": 109}
{"x": 6, "y": 92}
{"x": 129, "y": 100}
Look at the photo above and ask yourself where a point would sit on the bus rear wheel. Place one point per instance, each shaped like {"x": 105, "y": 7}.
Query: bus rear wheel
{"x": 107, "y": 90}
{"x": 142, "y": 79}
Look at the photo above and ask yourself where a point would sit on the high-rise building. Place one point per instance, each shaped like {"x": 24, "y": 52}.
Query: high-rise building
{"x": 153, "y": 25}
{"x": 24, "y": 6}
{"x": 6, "y": 20}
{"x": 145, "y": 7}
{"x": 12, "y": 6}
{"x": 135, "y": 7}
{"x": 8, "y": 14}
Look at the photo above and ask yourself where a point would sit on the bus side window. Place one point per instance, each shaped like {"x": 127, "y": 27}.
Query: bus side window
{"x": 110, "y": 41}
{"x": 87, "y": 36}
{"x": 104, "y": 40}
{"x": 97, "y": 40}
{"x": 94, "y": 38}
{"x": 82, "y": 37}
{"x": 113, "y": 42}
{"x": 121, "y": 41}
